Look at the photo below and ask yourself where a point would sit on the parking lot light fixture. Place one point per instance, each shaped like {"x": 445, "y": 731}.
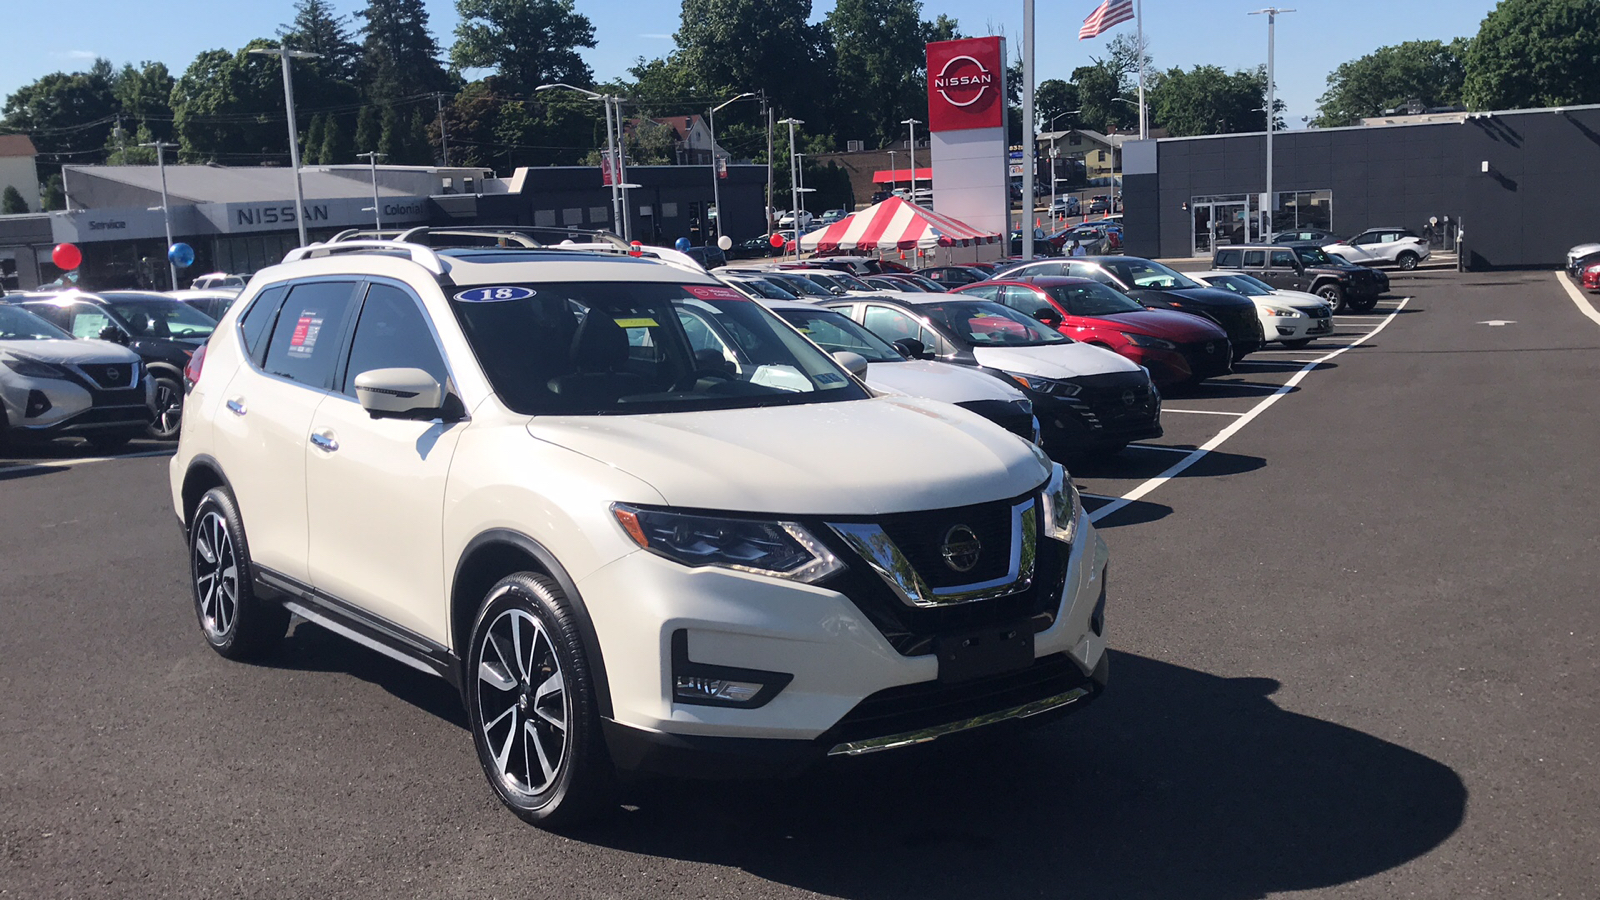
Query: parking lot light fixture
{"x": 716, "y": 174}
{"x": 1271, "y": 13}
{"x": 794, "y": 181}
{"x": 619, "y": 214}
{"x": 284, "y": 54}
{"x": 911, "y": 145}
{"x": 166, "y": 215}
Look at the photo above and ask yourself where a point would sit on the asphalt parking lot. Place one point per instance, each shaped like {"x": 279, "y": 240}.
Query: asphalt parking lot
{"x": 1355, "y": 627}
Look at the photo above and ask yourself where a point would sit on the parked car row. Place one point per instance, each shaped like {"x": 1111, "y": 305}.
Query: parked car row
{"x": 1391, "y": 246}
{"x": 1307, "y": 268}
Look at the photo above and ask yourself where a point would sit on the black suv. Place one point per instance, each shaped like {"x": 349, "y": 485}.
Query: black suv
{"x": 1303, "y": 266}
{"x": 1157, "y": 287}
{"x": 164, "y": 332}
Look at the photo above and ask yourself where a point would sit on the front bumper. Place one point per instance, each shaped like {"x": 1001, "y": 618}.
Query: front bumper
{"x": 56, "y": 407}
{"x": 849, "y": 682}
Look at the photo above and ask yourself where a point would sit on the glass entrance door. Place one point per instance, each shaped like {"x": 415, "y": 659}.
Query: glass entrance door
{"x": 1218, "y": 223}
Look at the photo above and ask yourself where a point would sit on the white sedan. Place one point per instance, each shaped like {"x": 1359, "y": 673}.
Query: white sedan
{"x": 1291, "y": 318}
{"x": 1382, "y": 247}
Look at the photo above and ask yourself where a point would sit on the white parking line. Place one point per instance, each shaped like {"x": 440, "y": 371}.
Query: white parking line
{"x": 69, "y": 463}
{"x": 1582, "y": 302}
{"x": 1228, "y": 432}
{"x": 1199, "y": 412}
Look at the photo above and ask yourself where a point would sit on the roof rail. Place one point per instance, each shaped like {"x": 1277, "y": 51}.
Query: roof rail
{"x": 358, "y": 234}
{"x": 422, "y": 256}
{"x": 530, "y": 236}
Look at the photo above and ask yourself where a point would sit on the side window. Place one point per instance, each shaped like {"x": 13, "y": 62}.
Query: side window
{"x": 87, "y": 320}
{"x": 1255, "y": 259}
{"x": 1365, "y": 239}
{"x": 306, "y": 340}
{"x": 892, "y": 324}
{"x": 258, "y": 319}
{"x": 1228, "y": 259}
{"x": 1282, "y": 259}
{"x": 392, "y": 333}
{"x": 1084, "y": 270}
{"x": 984, "y": 292}
{"x": 51, "y": 313}
{"x": 1023, "y": 300}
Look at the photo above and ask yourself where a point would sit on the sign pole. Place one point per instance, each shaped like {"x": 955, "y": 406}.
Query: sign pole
{"x": 1027, "y": 128}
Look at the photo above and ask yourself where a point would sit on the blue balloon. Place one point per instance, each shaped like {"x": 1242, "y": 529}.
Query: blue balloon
{"x": 181, "y": 255}
{"x": 682, "y": 244}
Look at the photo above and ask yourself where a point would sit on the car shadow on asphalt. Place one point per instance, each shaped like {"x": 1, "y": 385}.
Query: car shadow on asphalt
{"x": 1178, "y": 784}
{"x": 1136, "y": 465}
{"x": 28, "y": 471}
{"x": 1137, "y": 512}
{"x": 1221, "y": 390}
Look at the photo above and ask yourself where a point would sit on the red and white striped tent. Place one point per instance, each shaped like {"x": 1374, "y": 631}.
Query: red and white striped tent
{"x": 894, "y": 224}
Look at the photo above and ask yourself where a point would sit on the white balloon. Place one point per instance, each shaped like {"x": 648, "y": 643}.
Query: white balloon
{"x": 725, "y": 242}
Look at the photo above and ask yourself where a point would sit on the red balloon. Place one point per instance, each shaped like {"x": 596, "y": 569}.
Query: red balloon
{"x": 777, "y": 240}
{"x": 66, "y": 257}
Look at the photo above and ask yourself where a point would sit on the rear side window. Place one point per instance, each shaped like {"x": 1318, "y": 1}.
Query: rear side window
{"x": 1023, "y": 300}
{"x": 1228, "y": 259}
{"x": 88, "y": 321}
{"x": 392, "y": 333}
{"x": 1255, "y": 259}
{"x": 985, "y": 292}
{"x": 257, "y": 320}
{"x": 310, "y": 330}
{"x": 1282, "y": 259}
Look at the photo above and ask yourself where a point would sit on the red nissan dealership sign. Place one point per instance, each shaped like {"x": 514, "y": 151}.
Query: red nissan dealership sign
{"x": 966, "y": 84}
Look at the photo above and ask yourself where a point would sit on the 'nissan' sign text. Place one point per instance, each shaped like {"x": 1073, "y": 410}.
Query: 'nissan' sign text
{"x": 966, "y": 84}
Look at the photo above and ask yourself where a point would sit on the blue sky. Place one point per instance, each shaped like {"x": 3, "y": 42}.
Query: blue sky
{"x": 1311, "y": 42}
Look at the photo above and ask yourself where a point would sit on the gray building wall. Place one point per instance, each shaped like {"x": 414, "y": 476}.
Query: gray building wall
{"x": 1538, "y": 198}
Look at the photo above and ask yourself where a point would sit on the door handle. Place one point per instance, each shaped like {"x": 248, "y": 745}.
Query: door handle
{"x": 324, "y": 441}
{"x": 236, "y": 407}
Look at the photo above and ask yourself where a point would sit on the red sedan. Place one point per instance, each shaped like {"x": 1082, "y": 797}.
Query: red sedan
{"x": 1175, "y": 346}
{"x": 1591, "y": 277}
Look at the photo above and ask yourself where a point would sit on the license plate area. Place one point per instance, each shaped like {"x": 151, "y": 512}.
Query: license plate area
{"x": 984, "y": 651}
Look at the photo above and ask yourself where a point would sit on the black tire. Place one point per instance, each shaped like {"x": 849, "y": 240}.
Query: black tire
{"x": 109, "y": 443}
{"x": 235, "y": 622}
{"x": 169, "y": 409}
{"x": 1408, "y": 261}
{"x": 1362, "y": 304}
{"x": 1296, "y": 345}
{"x": 527, "y": 616}
{"x": 1333, "y": 294}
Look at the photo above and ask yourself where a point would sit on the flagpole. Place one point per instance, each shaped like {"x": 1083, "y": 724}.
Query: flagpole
{"x": 1138, "y": 23}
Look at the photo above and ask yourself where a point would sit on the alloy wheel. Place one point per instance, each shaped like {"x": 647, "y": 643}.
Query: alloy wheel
{"x": 169, "y": 411}
{"x": 216, "y": 576}
{"x": 523, "y": 704}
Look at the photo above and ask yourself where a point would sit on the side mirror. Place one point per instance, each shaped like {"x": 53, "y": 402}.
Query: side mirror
{"x": 1047, "y": 316}
{"x": 400, "y": 394}
{"x": 854, "y": 363}
{"x": 911, "y": 348}
{"x": 113, "y": 334}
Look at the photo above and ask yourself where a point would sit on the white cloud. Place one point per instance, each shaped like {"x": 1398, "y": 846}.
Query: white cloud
{"x": 76, "y": 54}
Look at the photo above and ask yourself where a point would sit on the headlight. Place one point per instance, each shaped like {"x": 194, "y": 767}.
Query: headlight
{"x": 1045, "y": 385}
{"x": 779, "y": 549}
{"x": 1278, "y": 311}
{"x": 28, "y": 367}
{"x": 1061, "y": 506}
{"x": 1145, "y": 340}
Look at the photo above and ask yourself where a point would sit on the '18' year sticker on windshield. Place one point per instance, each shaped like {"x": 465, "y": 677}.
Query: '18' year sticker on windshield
{"x": 496, "y": 294}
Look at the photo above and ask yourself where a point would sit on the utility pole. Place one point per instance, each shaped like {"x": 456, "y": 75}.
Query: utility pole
{"x": 1271, "y": 199}
{"x": 716, "y": 174}
{"x": 285, "y": 54}
{"x": 377, "y": 217}
{"x": 794, "y": 182}
{"x": 1028, "y": 143}
{"x": 444, "y": 137}
{"x": 618, "y": 200}
{"x": 166, "y": 214}
{"x": 767, "y": 109}
{"x": 911, "y": 126}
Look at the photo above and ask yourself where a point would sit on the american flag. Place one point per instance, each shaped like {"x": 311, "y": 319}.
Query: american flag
{"x": 1106, "y": 16}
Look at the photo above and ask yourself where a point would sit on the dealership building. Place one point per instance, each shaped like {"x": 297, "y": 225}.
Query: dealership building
{"x": 1519, "y": 186}
{"x": 244, "y": 219}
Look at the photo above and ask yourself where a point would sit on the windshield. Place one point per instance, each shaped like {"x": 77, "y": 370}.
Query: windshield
{"x": 845, "y": 280}
{"x": 894, "y": 284}
{"x": 763, "y": 288}
{"x": 154, "y": 316}
{"x": 625, "y": 347}
{"x": 1091, "y": 298}
{"x": 1240, "y": 284}
{"x": 834, "y": 332}
{"x": 21, "y": 325}
{"x": 1313, "y": 256}
{"x": 981, "y": 323}
{"x": 1142, "y": 273}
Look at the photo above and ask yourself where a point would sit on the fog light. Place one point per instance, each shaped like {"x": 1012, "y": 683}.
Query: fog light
{"x": 38, "y": 404}
{"x": 693, "y": 688}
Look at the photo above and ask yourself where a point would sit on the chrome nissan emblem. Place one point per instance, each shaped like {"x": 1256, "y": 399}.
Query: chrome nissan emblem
{"x": 961, "y": 549}
{"x": 1211, "y": 347}
{"x": 112, "y": 374}
{"x": 1129, "y": 397}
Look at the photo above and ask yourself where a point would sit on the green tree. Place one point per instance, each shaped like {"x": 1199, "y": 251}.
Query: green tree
{"x": 1208, "y": 100}
{"x": 729, "y": 46}
{"x": 369, "y": 130}
{"x": 880, "y": 51}
{"x": 1532, "y": 53}
{"x": 144, "y": 94}
{"x": 1099, "y": 87}
{"x": 125, "y": 149}
{"x": 527, "y": 42}
{"x": 1053, "y": 100}
{"x": 11, "y": 202}
{"x": 391, "y": 141}
{"x": 315, "y": 135}
{"x": 55, "y": 196}
{"x": 318, "y": 30}
{"x": 68, "y": 115}
{"x": 416, "y": 149}
{"x": 336, "y": 149}
{"x": 223, "y": 108}
{"x": 399, "y": 57}
{"x": 1430, "y": 72}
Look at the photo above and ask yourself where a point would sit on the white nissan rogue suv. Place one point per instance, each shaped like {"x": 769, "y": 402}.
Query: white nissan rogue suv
{"x": 513, "y": 470}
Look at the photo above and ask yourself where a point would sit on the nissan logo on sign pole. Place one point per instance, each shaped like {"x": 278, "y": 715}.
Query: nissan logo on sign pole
{"x": 963, "y": 81}
{"x": 967, "y": 134}
{"x": 966, "y": 84}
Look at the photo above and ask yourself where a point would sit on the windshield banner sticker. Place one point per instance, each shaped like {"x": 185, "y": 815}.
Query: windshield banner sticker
{"x": 636, "y": 323}
{"x": 495, "y": 294}
{"x": 711, "y": 292}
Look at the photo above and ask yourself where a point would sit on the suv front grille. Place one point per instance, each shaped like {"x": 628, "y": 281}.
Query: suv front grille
{"x": 1115, "y": 398}
{"x": 1207, "y": 358}
{"x": 921, "y": 535}
{"x": 111, "y": 376}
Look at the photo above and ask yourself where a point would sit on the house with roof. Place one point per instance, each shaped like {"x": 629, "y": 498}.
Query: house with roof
{"x": 17, "y": 168}
{"x": 690, "y": 137}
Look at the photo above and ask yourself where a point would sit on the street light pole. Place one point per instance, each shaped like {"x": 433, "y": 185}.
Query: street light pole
{"x": 911, "y": 126}
{"x": 284, "y": 54}
{"x": 377, "y": 218}
{"x": 617, "y": 211}
{"x": 1271, "y": 13}
{"x": 716, "y": 176}
{"x": 894, "y": 174}
{"x": 794, "y": 182}
{"x": 166, "y": 216}
{"x": 1029, "y": 146}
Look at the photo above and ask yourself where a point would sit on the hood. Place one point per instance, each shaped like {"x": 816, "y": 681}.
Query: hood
{"x": 1209, "y": 297}
{"x": 1169, "y": 324}
{"x": 77, "y": 352}
{"x": 939, "y": 381}
{"x": 1054, "y": 360}
{"x": 1297, "y": 299}
{"x": 863, "y": 457}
